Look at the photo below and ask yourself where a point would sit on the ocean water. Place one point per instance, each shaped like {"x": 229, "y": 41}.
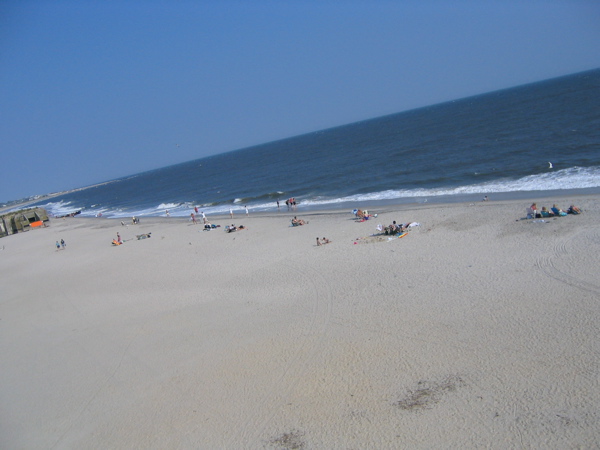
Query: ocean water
{"x": 497, "y": 144}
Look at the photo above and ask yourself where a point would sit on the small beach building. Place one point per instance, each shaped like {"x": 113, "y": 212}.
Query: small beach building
{"x": 22, "y": 220}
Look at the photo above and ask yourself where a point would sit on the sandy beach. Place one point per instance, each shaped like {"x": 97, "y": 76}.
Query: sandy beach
{"x": 477, "y": 329}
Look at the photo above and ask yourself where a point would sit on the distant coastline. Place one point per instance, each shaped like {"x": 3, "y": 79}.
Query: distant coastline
{"x": 14, "y": 204}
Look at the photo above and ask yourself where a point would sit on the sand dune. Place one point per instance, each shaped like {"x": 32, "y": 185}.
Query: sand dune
{"x": 475, "y": 330}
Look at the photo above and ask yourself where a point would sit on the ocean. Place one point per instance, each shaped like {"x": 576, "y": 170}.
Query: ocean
{"x": 498, "y": 144}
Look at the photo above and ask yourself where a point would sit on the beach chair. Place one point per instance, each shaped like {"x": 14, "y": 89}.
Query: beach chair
{"x": 530, "y": 213}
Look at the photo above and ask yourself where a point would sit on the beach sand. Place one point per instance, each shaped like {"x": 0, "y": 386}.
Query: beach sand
{"x": 476, "y": 330}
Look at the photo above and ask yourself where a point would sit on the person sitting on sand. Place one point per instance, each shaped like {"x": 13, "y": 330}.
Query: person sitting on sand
{"x": 394, "y": 228}
{"x": 534, "y": 210}
{"x": 325, "y": 240}
{"x": 573, "y": 210}
{"x": 390, "y": 229}
{"x": 557, "y": 211}
{"x": 364, "y": 215}
{"x": 296, "y": 221}
{"x": 545, "y": 213}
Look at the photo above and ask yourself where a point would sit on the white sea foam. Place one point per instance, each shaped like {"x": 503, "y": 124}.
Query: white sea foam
{"x": 565, "y": 179}
{"x": 165, "y": 206}
{"x": 571, "y": 178}
{"x": 62, "y": 208}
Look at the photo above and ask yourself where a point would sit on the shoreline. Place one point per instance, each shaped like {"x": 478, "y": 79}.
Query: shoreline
{"x": 377, "y": 204}
{"x": 376, "y": 207}
{"x": 476, "y": 328}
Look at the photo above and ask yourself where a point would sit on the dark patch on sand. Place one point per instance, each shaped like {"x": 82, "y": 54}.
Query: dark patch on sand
{"x": 428, "y": 393}
{"x": 290, "y": 440}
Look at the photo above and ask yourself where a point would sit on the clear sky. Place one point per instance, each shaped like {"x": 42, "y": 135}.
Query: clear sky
{"x": 95, "y": 90}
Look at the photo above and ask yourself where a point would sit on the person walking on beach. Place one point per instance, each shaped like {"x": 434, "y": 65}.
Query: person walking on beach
{"x": 63, "y": 244}
{"x": 231, "y": 212}
{"x": 246, "y": 210}
{"x": 119, "y": 240}
{"x": 57, "y": 245}
{"x": 204, "y": 218}
{"x": 193, "y": 218}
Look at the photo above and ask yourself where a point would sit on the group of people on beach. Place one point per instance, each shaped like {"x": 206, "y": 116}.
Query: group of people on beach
{"x": 231, "y": 228}
{"x": 323, "y": 241}
{"x": 555, "y": 211}
{"x": 395, "y": 228}
{"x": 363, "y": 215}
{"x": 193, "y": 217}
{"x": 290, "y": 203}
{"x": 245, "y": 209}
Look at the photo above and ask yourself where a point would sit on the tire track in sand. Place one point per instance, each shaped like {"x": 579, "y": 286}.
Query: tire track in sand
{"x": 564, "y": 248}
{"x": 578, "y": 354}
{"x": 309, "y": 345}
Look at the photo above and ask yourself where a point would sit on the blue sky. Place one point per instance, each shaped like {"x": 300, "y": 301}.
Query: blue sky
{"x": 95, "y": 90}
